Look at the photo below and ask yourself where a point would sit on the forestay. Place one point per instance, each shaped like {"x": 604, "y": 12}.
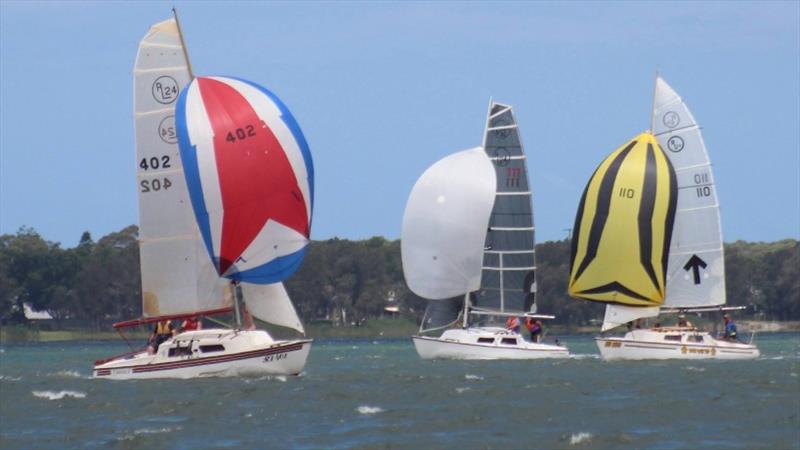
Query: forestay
{"x": 623, "y": 227}
{"x": 177, "y": 276}
{"x": 508, "y": 280}
{"x": 250, "y": 177}
{"x": 444, "y": 225}
{"x": 696, "y": 271}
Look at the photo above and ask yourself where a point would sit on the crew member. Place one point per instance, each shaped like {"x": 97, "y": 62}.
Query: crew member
{"x": 162, "y": 331}
{"x": 534, "y": 326}
{"x": 512, "y": 324}
{"x": 730, "y": 328}
{"x": 192, "y": 324}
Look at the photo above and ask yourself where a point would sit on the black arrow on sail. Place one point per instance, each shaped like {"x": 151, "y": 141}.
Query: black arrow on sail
{"x": 695, "y": 263}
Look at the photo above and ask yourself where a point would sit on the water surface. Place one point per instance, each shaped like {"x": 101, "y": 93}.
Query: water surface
{"x": 379, "y": 394}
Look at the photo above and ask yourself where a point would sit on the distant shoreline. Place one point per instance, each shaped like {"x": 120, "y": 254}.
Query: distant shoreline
{"x": 373, "y": 329}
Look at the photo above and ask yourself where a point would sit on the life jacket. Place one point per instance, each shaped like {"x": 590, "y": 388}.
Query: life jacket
{"x": 163, "y": 328}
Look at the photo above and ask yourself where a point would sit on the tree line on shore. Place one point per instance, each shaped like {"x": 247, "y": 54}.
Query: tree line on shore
{"x": 345, "y": 282}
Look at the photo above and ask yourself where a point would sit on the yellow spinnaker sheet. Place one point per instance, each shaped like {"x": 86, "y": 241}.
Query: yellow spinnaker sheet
{"x": 622, "y": 232}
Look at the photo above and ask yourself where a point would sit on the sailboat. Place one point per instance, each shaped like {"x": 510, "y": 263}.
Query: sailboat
{"x": 468, "y": 246}
{"x": 648, "y": 241}
{"x": 218, "y": 233}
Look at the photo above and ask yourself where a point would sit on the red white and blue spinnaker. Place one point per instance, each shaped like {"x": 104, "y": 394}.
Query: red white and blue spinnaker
{"x": 250, "y": 177}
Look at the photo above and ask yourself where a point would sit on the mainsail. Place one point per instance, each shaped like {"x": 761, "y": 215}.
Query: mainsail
{"x": 696, "y": 270}
{"x": 623, "y": 227}
{"x": 508, "y": 280}
{"x": 177, "y": 277}
{"x": 250, "y": 177}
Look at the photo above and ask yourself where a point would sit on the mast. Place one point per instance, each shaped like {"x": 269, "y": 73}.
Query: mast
{"x": 183, "y": 44}
{"x": 652, "y": 110}
{"x": 466, "y": 310}
{"x": 237, "y": 295}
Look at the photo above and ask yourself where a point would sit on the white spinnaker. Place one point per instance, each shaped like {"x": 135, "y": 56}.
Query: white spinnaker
{"x": 617, "y": 315}
{"x": 444, "y": 225}
{"x": 271, "y": 303}
{"x": 696, "y": 269}
{"x": 177, "y": 275}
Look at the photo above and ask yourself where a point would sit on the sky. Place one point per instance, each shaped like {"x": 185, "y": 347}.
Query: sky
{"x": 382, "y": 90}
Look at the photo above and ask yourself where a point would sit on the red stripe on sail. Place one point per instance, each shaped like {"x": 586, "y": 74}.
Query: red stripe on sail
{"x": 256, "y": 180}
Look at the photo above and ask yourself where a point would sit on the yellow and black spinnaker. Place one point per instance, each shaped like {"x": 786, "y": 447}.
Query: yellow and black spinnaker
{"x": 621, "y": 238}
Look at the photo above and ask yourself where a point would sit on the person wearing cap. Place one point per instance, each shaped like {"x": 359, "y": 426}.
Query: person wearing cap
{"x": 682, "y": 322}
{"x": 730, "y": 328}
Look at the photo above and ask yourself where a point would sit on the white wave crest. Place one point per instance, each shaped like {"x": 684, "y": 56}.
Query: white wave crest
{"x": 696, "y": 369}
{"x": 130, "y": 437}
{"x": 792, "y": 374}
{"x": 461, "y": 390}
{"x": 364, "y": 409}
{"x": 584, "y": 356}
{"x": 470, "y": 376}
{"x": 578, "y": 438}
{"x": 9, "y": 378}
{"x": 51, "y": 395}
{"x": 66, "y": 374}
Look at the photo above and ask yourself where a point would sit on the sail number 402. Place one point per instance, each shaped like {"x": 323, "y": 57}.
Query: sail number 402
{"x": 155, "y": 162}
{"x": 241, "y": 133}
{"x": 155, "y": 185}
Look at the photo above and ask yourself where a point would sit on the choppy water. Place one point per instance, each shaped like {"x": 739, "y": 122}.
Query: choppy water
{"x": 379, "y": 394}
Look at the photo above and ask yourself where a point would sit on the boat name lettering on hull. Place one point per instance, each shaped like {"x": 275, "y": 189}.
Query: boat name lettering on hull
{"x": 276, "y": 357}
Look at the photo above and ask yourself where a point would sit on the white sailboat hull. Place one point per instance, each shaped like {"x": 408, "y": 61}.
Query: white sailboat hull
{"x": 484, "y": 343}
{"x": 683, "y": 343}
{"x": 211, "y": 353}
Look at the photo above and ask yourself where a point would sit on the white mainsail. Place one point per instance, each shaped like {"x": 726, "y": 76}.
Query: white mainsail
{"x": 696, "y": 270}
{"x": 696, "y": 267}
{"x": 271, "y": 303}
{"x": 177, "y": 275}
{"x": 444, "y": 225}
